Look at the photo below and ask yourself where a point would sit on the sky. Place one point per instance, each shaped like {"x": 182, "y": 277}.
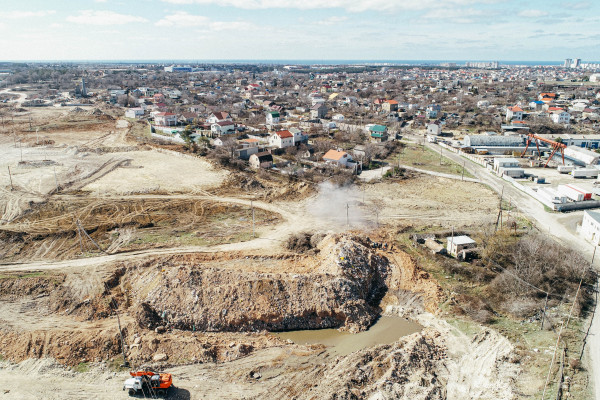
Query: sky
{"x": 532, "y": 30}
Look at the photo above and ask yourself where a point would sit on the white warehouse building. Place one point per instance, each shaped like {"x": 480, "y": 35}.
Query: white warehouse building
{"x": 493, "y": 140}
{"x": 590, "y": 227}
{"x": 587, "y": 157}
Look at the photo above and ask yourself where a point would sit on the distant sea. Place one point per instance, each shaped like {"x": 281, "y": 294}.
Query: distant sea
{"x": 303, "y": 62}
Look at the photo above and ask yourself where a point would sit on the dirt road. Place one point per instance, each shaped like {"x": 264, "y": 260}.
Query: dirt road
{"x": 379, "y": 172}
{"x": 20, "y": 100}
{"x": 294, "y": 222}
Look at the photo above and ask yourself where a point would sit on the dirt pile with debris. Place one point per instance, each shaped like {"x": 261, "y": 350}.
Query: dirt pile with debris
{"x": 340, "y": 287}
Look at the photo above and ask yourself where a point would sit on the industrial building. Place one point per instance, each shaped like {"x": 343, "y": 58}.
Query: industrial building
{"x": 494, "y": 140}
{"x": 590, "y": 227}
{"x": 584, "y": 156}
{"x": 509, "y": 167}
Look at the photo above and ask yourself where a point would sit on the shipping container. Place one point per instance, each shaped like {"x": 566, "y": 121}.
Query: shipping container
{"x": 513, "y": 172}
{"x": 575, "y": 193}
{"x": 565, "y": 169}
{"x": 551, "y": 195}
{"x": 585, "y": 173}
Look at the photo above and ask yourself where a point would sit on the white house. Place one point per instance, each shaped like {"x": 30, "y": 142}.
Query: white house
{"x": 299, "y": 136}
{"x": 590, "y": 227}
{"x": 433, "y": 110}
{"x": 456, "y": 244}
{"x": 281, "y": 139}
{"x": 273, "y": 117}
{"x": 515, "y": 113}
{"x": 165, "y": 119}
{"x": 560, "y": 117}
{"x": 318, "y": 111}
{"x": 134, "y": 112}
{"x": 434, "y": 129}
{"x": 220, "y": 116}
{"x": 261, "y": 160}
{"x": 337, "y": 157}
{"x": 222, "y": 128}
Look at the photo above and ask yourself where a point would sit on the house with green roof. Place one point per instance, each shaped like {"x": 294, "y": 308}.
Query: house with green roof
{"x": 273, "y": 117}
{"x": 378, "y": 133}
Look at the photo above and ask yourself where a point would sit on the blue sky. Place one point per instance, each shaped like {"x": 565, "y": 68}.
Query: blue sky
{"x": 299, "y": 29}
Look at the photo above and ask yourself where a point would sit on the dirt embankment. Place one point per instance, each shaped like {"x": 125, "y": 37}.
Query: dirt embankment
{"x": 339, "y": 285}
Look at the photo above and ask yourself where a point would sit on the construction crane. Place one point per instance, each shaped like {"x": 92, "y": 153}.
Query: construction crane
{"x": 555, "y": 146}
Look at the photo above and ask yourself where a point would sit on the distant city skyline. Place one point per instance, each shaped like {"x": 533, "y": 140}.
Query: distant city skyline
{"x": 477, "y": 30}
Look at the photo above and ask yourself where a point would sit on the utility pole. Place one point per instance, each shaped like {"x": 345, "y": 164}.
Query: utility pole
{"x": 347, "y": 215}
{"x": 544, "y": 312}
{"x": 462, "y": 178}
{"x": 499, "y": 219}
{"x": 21, "y": 149}
{"x": 79, "y": 236}
{"x": 125, "y": 362}
{"x": 441, "y": 150}
{"x": 10, "y": 177}
{"x": 55, "y": 180}
{"x": 252, "y": 207}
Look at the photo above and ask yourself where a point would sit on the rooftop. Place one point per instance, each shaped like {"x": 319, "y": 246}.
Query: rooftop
{"x": 463, "y": 239}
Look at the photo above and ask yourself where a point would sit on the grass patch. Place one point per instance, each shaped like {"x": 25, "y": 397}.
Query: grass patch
{"x": 116, "y": 364}
{"x": 21, "y": 276}
{"x": 82, "y": 367}
{"x": 533, "y": 346}
{"x": 139, "y": 129}
{"x": 417, "y": 156}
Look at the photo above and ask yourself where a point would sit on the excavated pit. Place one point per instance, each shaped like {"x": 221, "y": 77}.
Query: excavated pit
{"x": 343, "y": 285}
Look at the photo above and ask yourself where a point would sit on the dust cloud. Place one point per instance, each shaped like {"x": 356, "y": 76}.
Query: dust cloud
{"x": 340, "y": 206}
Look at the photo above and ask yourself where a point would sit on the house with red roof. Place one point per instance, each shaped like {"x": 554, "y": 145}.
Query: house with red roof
{"x": 222, "y": 128}
{"x": 389, "y": 105}
{"x": 220, "y": 116}
{"x": 514, "y": 112}
{"x": 547, "y": 97}
{"x": 281, "y": 139}
{"x": 337, "y": 157}
{"x": 165, "y": 119}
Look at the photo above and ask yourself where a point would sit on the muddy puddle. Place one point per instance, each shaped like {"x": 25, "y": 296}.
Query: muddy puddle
{"x": 385, "y": 331}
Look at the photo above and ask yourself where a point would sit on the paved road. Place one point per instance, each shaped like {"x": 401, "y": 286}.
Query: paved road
{"x": 555, "y": 225}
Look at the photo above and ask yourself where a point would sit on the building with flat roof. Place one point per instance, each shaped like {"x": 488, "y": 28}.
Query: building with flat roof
{"x": 456, "y": 244}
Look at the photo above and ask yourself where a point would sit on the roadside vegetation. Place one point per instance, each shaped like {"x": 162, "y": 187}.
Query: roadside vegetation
{"x": 505, "y": 288}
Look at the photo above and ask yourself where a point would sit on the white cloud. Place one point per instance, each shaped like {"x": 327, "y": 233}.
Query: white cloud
{"x": 581, "y": 5}
{"x": 350, "y": 5}
{"x": 92, "y": 17}
{"x": 25, "y": 14}
{"x": 184, "y": 19}
{"x": 331, "y": 21}
{"x": 532, "y": 13}
{"x": 100, "y": 1}
{"x": 459, "y": 16}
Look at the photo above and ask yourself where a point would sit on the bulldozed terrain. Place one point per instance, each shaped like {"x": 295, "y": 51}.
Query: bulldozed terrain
{"x": 200, "y": 266}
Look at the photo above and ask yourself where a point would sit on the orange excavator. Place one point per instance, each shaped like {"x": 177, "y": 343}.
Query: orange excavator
{"x": 149, "y": 383}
